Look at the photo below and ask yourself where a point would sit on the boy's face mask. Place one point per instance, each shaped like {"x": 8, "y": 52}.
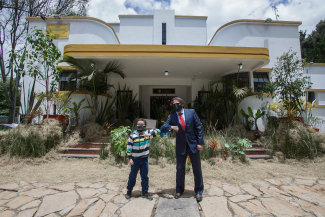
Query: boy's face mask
{"x": 141, "y": 127}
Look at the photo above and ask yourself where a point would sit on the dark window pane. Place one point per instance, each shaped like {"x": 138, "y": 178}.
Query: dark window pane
{"x": 241, "y": 79}
{"x": 164, "y": 39}
{"x": 311, "y": 96}
{"x": 64, "y": 85}
{"x": 260, "y": 78}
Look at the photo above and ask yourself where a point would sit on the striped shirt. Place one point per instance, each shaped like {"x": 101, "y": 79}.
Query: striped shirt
{"x": 138, "y": 144}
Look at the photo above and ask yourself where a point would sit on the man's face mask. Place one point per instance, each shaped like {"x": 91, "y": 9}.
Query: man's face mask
{"x": 177, "y": 107}
{"x": 141, "y": 127}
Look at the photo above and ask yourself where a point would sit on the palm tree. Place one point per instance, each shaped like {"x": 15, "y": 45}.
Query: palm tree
{"x": 91, "y": 79}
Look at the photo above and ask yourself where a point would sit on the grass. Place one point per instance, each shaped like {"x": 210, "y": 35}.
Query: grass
{"x": 50, "y": 170}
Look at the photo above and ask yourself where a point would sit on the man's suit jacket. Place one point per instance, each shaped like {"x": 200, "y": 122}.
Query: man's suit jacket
{"x": 193, "y": 133}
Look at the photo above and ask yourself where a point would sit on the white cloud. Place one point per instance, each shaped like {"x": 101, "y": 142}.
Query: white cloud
{"x": 219, "y": 12}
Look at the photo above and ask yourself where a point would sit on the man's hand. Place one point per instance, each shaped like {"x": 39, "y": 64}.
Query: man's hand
{"x": 199, "y": 147}
{"x": 174, "y": 128}
{"x": 131, "y": 161}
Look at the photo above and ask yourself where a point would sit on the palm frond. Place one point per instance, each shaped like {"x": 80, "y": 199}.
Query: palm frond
{"x": 114, "y": 67}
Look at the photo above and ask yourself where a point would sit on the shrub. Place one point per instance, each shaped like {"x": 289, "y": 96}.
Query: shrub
{"x": 119, "y": 141}
{"x": 32, "y": 140}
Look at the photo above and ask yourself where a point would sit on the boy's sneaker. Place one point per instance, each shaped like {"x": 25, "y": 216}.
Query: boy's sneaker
{"x": 147, "y": 195}
{"x": 128, "y": 194}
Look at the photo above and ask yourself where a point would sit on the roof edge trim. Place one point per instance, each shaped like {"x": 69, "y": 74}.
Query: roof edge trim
{"x": 77, "y": 18}
{"x": 296, "y": 23}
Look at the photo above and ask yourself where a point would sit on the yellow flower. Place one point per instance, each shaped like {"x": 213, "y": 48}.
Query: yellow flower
{"x": 158, "y": 135}
{"x": 174, "y": 144}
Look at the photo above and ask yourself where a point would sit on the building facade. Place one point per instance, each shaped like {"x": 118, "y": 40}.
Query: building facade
{"x": 168, "y": 55}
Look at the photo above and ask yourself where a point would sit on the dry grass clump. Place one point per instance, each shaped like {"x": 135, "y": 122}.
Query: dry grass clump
{"x": 72, "y": 139}
{"x": 33, "y": 140}
{"x": 238, "y": 130}
{"x": 294, "y": 140}
{"x": 93, "y": 130}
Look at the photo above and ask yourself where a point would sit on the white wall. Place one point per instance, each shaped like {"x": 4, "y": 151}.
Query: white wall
{"x": 190, "y": 31}
{"x": 276, "y": 37}
{"x": 136, "y": 30}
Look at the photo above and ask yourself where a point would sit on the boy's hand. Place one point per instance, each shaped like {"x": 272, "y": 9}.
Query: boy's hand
{"x": 147, "y": 135}
{"x": 131, "y": 161}
{"x": 174, "y": 128}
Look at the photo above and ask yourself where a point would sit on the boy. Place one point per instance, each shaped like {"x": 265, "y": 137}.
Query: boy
{"x": 138, "y": 152}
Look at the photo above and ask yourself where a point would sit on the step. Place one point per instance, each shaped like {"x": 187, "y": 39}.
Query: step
{"x": 91, "y": 145}
{"x": 100, "y": 140}
{"x": 85, "y": 151}
{"x": 263, "y": 156}
{"x": 80, "y": 155}
{"x": 254, "y": 145}
{"x": 255, "y": 151}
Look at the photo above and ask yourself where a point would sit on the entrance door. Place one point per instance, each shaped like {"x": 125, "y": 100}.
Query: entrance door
{"x": 159, "y": 105}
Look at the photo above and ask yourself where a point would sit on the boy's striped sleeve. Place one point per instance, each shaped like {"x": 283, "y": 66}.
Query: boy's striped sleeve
{"x": 129, "y": 147}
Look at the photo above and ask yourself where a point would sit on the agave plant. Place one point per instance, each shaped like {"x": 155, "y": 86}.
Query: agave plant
{"x": 91, "y": 79}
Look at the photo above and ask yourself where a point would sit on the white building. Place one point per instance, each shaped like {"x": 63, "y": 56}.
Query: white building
{"x": 150, "y": 45}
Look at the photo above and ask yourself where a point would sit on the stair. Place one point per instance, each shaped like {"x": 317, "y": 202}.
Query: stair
{"x": 257, "y": 152}
{"x": 87, "y": 149}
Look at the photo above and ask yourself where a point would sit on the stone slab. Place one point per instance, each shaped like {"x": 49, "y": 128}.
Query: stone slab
{"x": 39, "y": 192}
{"x": 57, "y": 202}
{"x": 232, "y": 189}
{"x": 19, "y": 201}
{"x": 253, "y": 208}
{"x": 281, "y": 208}
{"x": 10, "y": 186}
{"x": 32, "y": 204}
{"x": 240, "y": 198}
{"x": 251, "y": 190}
{"x": 5, "y": 195}
{"x": 182, "y": 207}
{"x": 109, "y": 210}
{"x": 27, "y": 213}
{"x": 82, "y": 206}
{"x": 240, "y": 212}
{"x": 7, "y": 213}
{"x": 138, "y": 207}
{"x": 215, "y": 207}
{"x": 95, "y": 210}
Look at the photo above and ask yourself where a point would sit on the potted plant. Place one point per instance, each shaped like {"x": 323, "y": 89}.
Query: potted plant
{"x": 257, "y": 115}
{"x": 58, "y": 100}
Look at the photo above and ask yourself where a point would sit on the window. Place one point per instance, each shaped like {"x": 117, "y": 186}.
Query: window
{"x": 242, "y": 79}
{"x": 311, "y": 96}
{"x": 64, "y": 85}
{"x": 164, "y": 39}
{"x": 260, "y": 78}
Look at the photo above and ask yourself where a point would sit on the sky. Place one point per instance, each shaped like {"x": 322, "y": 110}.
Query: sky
{"x": 219, "y": 12}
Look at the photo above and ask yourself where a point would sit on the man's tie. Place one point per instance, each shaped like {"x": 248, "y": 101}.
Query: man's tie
{"x": 181, "y": 120}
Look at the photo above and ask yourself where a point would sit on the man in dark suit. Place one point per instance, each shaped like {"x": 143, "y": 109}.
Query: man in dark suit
{"x": 189, "y": 141}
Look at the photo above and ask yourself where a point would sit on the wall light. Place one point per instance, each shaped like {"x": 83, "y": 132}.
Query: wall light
{"x": 166, "y": 73}
{"x": 240, "y": 66}
{"x": 268, "y": 20}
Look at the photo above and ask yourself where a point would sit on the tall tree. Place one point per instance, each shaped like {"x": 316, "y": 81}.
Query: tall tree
{"x": 13, "y": 29}
{"x": 313, "y": 45}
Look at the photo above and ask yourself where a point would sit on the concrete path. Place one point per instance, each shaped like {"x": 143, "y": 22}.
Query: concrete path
{"x": 298, "y": 196}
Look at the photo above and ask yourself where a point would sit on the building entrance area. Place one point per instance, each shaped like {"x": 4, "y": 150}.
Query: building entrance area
{"x": 160, "y": 106}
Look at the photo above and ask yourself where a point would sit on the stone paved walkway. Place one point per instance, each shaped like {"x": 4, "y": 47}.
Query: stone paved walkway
{"x": 298, "y": 196}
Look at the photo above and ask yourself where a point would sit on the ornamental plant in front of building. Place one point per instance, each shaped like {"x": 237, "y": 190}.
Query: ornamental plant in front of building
{"x": 41, "y": 61}
{"x": 288, "y": 82}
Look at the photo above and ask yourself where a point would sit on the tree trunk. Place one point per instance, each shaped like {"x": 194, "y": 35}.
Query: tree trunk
{"x": 95, "y": 110}
{"x": 76, "y": 114}
{"x": 11, "y": 116}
